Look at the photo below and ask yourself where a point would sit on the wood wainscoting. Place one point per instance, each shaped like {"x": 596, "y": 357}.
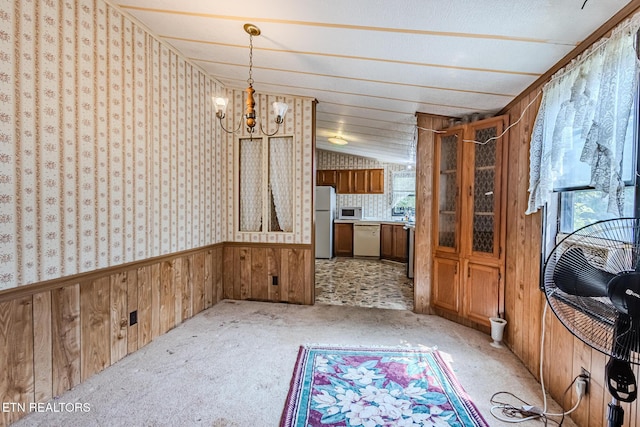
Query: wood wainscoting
{"x": 57, "y": 334}
{"x": 277, "y": 273}
{"x": 564, "y": 355}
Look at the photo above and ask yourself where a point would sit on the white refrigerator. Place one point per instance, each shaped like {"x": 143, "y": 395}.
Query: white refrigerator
{"x": 325, "y": 213}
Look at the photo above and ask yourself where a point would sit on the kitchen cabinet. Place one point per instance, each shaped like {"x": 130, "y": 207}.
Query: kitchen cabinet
{"x": 327, "y": 177}
{"x": 352, "y": 181}
{"x": 343, "y": 239}
{"x": 376, "y": 181}
{"x": 344, "y": 179}
{"x": 360, "y": 181}
{"x": 394, "y": 240}
{"x": 469, "y": 226}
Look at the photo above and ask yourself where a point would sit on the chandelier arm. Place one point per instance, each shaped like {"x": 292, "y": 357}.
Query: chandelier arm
{"x": 225, "y": 129}
{"x": 267, "y": 133}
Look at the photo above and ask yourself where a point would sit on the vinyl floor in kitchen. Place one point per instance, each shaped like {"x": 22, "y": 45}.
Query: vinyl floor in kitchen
{"x": 363, "y": 283}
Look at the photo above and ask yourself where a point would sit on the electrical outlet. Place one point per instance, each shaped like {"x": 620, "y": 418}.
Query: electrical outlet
{"x": 133, "y": 318}
{"x": 586, "y": 376}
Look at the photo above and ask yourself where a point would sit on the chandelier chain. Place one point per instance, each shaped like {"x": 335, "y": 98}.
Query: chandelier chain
{"x": 250, "y": 79}
{"x": 250, "y": 117}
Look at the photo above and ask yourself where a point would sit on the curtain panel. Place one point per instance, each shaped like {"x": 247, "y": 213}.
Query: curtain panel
{"x": 587, "y": 105}
{"x": 250, "y": 184}
{"x": 281, "y": 180}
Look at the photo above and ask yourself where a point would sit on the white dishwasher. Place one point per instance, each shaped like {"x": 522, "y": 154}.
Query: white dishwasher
{"x": 366, "y": 240}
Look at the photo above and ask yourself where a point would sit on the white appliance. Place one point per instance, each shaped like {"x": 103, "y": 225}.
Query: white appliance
{"x": 366, "y": 240}
{"x": 350, "y": 213}
{"x": 325, "y": 213}
{"x": 412, "y": 232}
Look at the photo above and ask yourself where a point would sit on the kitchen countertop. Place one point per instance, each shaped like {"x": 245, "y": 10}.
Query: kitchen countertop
{"x": 373, "y": 221}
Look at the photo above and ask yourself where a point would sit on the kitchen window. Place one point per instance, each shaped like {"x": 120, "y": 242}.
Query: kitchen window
{"x": 266, "y": 184}
{"x": 403, "y": 188}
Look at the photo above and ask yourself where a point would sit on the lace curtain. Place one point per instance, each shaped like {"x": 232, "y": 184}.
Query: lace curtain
{"x": 587, "y": 106}
{"x": 281, "y": 177}
{"x": 250, "y": 184}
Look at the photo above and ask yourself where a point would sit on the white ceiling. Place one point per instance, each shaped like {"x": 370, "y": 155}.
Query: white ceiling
{"x": 372, "y": 64}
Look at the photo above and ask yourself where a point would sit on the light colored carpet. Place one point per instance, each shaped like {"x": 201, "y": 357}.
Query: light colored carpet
{"x": 231, "y": 365}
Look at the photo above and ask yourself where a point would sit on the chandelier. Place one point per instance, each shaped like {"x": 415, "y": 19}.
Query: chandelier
{"x": 279, "y": 108}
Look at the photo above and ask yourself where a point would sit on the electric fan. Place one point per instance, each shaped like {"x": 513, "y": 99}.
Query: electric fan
{"x": 592, "y": 284}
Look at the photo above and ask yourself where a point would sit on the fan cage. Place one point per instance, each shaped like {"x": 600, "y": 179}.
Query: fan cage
{"x": 612, "y": 246}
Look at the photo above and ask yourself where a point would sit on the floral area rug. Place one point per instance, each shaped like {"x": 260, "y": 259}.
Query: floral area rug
{"x": 369, "y": 387}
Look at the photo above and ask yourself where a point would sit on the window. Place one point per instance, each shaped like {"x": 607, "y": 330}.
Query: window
{"x": 266, "y": 184}
{"x": 583, "y": 207}
{"x": 580, "y": 177}
{"x": 580, "y": 205}
{"x": 584, "y": 144}
{"x": 403, "y": 188}
{"x": 587, "y": 122}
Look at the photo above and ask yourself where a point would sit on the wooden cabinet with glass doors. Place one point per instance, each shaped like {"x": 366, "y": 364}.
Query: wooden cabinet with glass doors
{"x": 469, "y": 225}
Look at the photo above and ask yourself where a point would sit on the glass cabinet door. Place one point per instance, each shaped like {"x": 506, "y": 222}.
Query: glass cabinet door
{"x": 486, "y": 195}
{"x": 448, "y": 175}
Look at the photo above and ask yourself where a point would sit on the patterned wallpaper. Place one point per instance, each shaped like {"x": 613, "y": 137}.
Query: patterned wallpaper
{"x": 299, "y": 124}
{"x": 108, "y": 150}
{"x": 373, "y": 205}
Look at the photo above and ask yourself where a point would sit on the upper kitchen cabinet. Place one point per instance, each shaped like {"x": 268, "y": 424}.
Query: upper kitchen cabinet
{"x": 360, "y": 181}
{"x": 327, "y": 177}
{"x": 345, "y": 181}
{"x": 376, "y": 181}
{"x": 469, "y": 221}
{"x": 353, "y": 181}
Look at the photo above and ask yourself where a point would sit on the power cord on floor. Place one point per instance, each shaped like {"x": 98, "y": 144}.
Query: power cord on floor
{"x": 522, "y": 411}
{"x": 516, "y": 413}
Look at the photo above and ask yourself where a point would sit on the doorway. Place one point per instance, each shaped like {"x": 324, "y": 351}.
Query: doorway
{"x": 361, "y": 282}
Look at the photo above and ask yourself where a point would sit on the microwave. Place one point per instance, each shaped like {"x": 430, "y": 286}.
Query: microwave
{"x": 350, "y": 213}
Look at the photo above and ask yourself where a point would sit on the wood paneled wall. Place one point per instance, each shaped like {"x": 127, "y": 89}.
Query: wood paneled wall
{"x": 54, "y": 339}
{"x": 55, "y": 336}
{"x": 424, "y": 199}
{"x": 564, "y": 355}
{"x": 278, "y": 274}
